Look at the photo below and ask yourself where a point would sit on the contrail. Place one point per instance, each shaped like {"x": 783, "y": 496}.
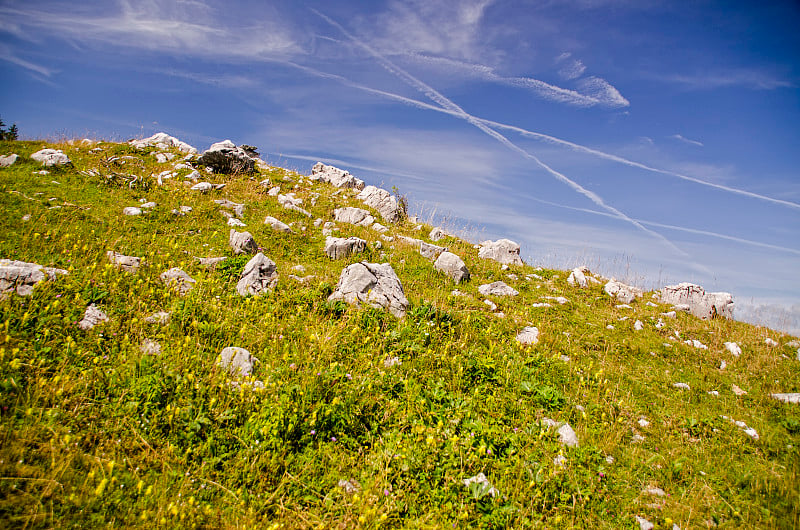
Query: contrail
{"x": 447, "y": 104}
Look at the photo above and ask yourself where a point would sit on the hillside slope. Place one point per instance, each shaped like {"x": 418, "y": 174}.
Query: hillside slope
{"x": 353, "y": 417}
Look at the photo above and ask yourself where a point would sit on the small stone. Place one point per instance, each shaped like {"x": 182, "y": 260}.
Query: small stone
{"x": 259, "y": 275}
{"x": 238, "y": 361}
{"x": 453, "y": 266}
{"x": 374, "y": 284}
{"x": 669, "y": 314}
{"x": 178, "y": 279}
{"x": 210, "y": 263}
{"x": 644, "y": 524}
{"x": 738, "y": 391}
{"x": 682, "y": 386}
{"x": 656, "y": 492}
{"x": 202, "y": 187}
{"x": 232, "y": 221}
{"x": 497, "y": 289}
{"x": 578, "y": 277}
{"x": 350, "y": 486}
{"x": 492, "y": 305}
{"x": 8, "y": 160}
{"x": 503, "y": 251}
{"x": 242, "y": 242}
{"x": 150, "y": 347}
{"x": 337, "y": 247}
{"x": 51, "y": 157}
{"x": 643, "y": 423}
{"x": 126, "y": 263}
{"x": 528, "y": 335}
{"x": 161, "y": 317}
{"x": 769, "y": 342}
{"x": 277, "y": 225}
{"x": 787, "y": 398}
{"x": 92, "y": 317}
{"x": 131, "y": 210}
{"x": 638, "y": 325}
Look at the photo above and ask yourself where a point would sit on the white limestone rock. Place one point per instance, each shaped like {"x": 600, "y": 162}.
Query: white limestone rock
{"x": 426, "y": 249}
{"x": 21, "y": 276}
{"x": 235, "y": 207}
{"x": 210, "y": 263}
{"x": 699, "y": 302}
{"x": 453, "y": 266}
{"x": 383, "y": 201}
{"x": 277, "y": 225}
{"x": 770, "y": 342}
{"x": 232, "y": 221}
{"x": 566, "y": 434}
{"x": 682, "y": 386}
{"x": 333, "y": 175}
{"x": 578, "y": 277}
{"x": 202, "y": 187}
{"x": 481, "y": 480}
{"x": 131, "y": 210}
{"x": 237, "y": 361}
{"x": 226, "y": 157}
{"x": 92, "y": 317}
{"x": 339, "y": 247}
{"x": 622, "y": 292}
{"x": 528, "y": 335}
{"x": 497, "y": 289}
{"x": 126, "y": 263}
{"x": 259, "y": 275}
{"x": 242, "y": 242}
{"x": 502, "y": 251}
{"x": 733, "y": 348}
{"x": 290, "y": 202}
{"x": 638, "y": 325}
{"x": 437, "y": 234}
{"x": 787, "y": 398}
{"x": 178, "y": 279}
{"x": 8, "y": 160}
{"x": 374, "y": 284}
{"x": 51, "y": 157}
{"x": 354, "y": 216}
{"x": 163, "y": 141}
{"x": 160, "y": 317}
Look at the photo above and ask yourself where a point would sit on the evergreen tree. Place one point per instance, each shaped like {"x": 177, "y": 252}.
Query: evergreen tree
{"x": 11, "y": 134}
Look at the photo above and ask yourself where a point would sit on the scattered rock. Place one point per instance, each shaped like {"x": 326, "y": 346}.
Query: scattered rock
{"x": 202, "y": 186}
{"x": 656, "y": 492}
{"x": 259, "y": 275}
{"x": 232, "y": 221}
{"x": 481, "y": 479}
{"x": 338, "y": 247}
{"x": 733, "y": 348}
{"x": 528, "y": 335}
{"x": 380, "y": 228}
{"x": 696, "y": 343}
{"x": 769, "y": 342}
{"x": 375, "y": 284}
{"x": 238, "y": 361}
{"x": 349, "y": 486}
{"x": 566, "y": 435}
{"x": 644, "y": 524}
{"x": 131, "y": 210}
{"x": 235, "y": 207}
{"x": 22, "y": 276}
{"x": 383, "y": 201}
{"x": 492, "y": 305}
{"x": 643, "y": 423}
{"x": 163, "y": 141}
{"x": 148, "y": 205}
{"x": 426, "y": 249}
{"x": 578, "y": 277}
{"x": 163, "y": 158}
{"x": 242, "y": 242}
{"x": 541, "y": 304}
{"x": 226, "y": 157}
{"x": 738, "y": 391}
{"x": 161, "y": 317}
{"x": 178, "y": 279}
{"x": 787, "y": 398}
{"x": 150, "y": 347}
{"x": 502, "y": 251}
{"x": 290, "y": 202}
{"x": 700, "y": 303}
{"x": 354, "y": 216}
{"x": 277, "y": 225}
{"x": 497, "y": 289}
{"x": 638, "y": 325}
{"x": 682, "y": 386}
{"x": 749, "y": 431}
{"x": 670, "y": 314}
{"x": 622, "y": 292}
{"x": 51, "y": 157}
{"x": 126, "y": 263}
{"x": 453, "y": 266}
{"x": 92, "y": 317}
{"x": 211, "y": 263}
{"x": 333, "y": 175}
{"x": 437, "y": 234}
{"x": 8, "y": 160}
{"x": 558, "y": 299}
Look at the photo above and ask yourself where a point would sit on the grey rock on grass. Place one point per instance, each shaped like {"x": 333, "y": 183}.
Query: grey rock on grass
{"x": 622, "y": 292}
{"x": 160, "y": 317}
{"x": 178, "y": 279}
{"x": 92, "y": 317}
{"x": 242, "y": 242}
{"x": 374, "y": 284}
{"x": 528, "y": 335}
{"x": 578, "y": 277}
{"x": 21, "y": 276}
{"x": 383, "y": 201}
{"x": 354, "y": 216}
{"x": 426, "y": 249}
{"x": 277, "y": 225}
{"x": 131, "y": 210}
{"x": 453, "y": 266}
{"x": 502, "y": 251}
{"x": 237, "y": 361}
{"x": 235, "y": 207}
{"x": 787, "y": 398}
{"x": 566, "y": 434}
{"x": 699, "y": 303}
{"x": 8, "y": 160}
{"x": 339, "y": 247}
{"x": 259, "y": 275}
{"x": 51, "y": 157}
{"x": 497, "y": 289}
{"x": 226, "y": 157}
{"x": 163, "y": 141}
{"x": 333, "y": 175}
{"x": 210, "y": 263}
{"x": 126, "y": 263}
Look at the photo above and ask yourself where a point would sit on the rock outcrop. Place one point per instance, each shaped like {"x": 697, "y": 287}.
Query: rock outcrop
{"x": 163, "y": 141}
{"x": 178, "y": 279}
{"x": 383, "y": 201}
{"x": 339, "y": 247}
{"x": 333, "y": 175}
{"x": 374, "y": 284}
{"x": 502, "y": 251}
{"x": 242, "y": 242}
{"x": 51, "y": 157}
{"x": 277, "y": 225}
{"x": 353, "y": 216}
{"x": 259, "y": 275}
{"x": 226, "y": 157}
{"x": 497, "y": 289}
{"x": 694, "y": 299}
{"x": 578, "y": 277}
{"x": 453, "y": 266}
{"x": 622, "y": 292}
{"x": 21, "y": 276}
{"x": 8, "y": 160}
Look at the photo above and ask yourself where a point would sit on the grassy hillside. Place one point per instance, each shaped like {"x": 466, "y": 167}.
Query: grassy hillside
{"x": 94, "y": 432}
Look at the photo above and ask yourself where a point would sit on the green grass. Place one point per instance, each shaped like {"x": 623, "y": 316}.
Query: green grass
{"x": 95, "y": 433}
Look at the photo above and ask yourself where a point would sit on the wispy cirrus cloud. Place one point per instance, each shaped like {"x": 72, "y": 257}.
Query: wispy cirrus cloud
{"x": 685, "y": 140}
{"x": 743, "y": 78}
{"x": 9, "y": 55}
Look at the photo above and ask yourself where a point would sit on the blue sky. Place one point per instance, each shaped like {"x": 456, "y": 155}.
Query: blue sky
{"x": 654, "y": 141}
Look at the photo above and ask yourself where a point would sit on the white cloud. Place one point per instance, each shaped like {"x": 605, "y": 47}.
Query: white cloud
{"x": 7, "y": 54}
{"x": 685, "y": 140}
{"x": 573, "y": 68}
{"x": 750, "y": 79}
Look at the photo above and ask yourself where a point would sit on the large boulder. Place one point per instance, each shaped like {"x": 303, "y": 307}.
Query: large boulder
{"x": 503, "y": 251}
{"x": 333, "y": 175}
{"x": 242, "y": 242}
{"x": 374, "y": 284}
{"x": 453, "y": 266}
{"x": 259, "y": 275}
{"x": 178, "y": 279}
{"x": 22, "y": 276}
{"x": 51, "y": 157}
{"x": 578, "y": 277}
{"x": 698, "y": 301}
{"x": 497, "y": 289}
{"x": 354, "y": 216}
{"x": 622, "y": 292}
{"x": 383, "y": 201}
{"x": 226, "y": 157}
{"x": 8, "y": 160}
{"x": 163, "y": 141}
{"x": 339, "y": 247}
